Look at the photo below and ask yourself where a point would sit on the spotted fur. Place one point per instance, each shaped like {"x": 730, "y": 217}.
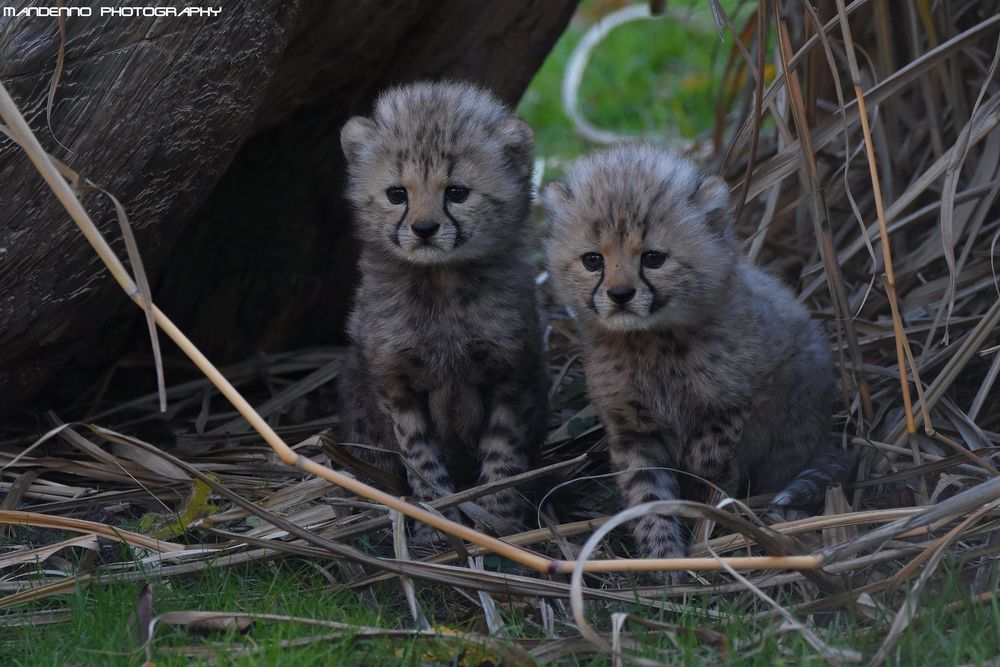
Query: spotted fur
{"x": 447, "y": 371}
{"x": 697, "y": 361}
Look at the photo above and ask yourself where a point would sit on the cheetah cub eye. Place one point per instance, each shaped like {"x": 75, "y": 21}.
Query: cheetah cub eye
{"x": 456, "y": 194}
{"x": 592, "y": 261}
{"x": 653, "y": 259}
{"x": 396, "y": 195}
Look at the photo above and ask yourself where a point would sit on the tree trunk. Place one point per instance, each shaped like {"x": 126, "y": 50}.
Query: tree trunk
{"x": 247, "y": 242}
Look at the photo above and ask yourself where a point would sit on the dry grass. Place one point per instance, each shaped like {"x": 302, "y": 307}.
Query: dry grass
{"x": 869, "y": 169}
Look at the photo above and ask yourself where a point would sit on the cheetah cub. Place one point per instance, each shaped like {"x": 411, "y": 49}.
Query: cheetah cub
{"x": 696, "y": 361}
{"x": 446, "y": 377}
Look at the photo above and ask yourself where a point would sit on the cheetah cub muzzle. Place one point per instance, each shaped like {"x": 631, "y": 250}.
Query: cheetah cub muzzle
{"x": 699, "y": 364}
{"x": 445, "y": 382}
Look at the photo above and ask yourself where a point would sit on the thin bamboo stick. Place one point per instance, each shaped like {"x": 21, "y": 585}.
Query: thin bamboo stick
{"x": 741, "y": 563}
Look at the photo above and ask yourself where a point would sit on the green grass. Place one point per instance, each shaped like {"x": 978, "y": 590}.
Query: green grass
{"x": 97, "y": 634}
{"x": 654, "y": 78}
{"x": 96, "y": 631}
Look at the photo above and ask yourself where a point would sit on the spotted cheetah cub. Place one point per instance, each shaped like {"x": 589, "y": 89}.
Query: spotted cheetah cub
{"x": 447, "y": 371}
{"x": 696, "y": 361}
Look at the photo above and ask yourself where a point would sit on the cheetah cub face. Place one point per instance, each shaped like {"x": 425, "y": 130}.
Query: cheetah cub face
{"x": 640, "y": 240}
{"x": 437, "y": 175}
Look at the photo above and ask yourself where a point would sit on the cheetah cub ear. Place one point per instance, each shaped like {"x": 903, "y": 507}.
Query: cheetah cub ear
{"x": 355, "y": 134}
{"x": 518, "y": 142}
{"x": 556, "y": 198}
{"x": 713, "y": 197}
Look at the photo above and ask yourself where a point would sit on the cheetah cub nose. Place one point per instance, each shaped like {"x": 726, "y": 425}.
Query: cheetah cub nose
{"x": 621, "y": 295}
{"x": 425, "y": 229}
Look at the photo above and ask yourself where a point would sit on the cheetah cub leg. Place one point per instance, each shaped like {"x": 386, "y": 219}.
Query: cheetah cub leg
{"x": 711, "y": 451}
{"x": 425, "y": 464}
{"x": 642, "y": 462}
{"x": 503, "y": 453}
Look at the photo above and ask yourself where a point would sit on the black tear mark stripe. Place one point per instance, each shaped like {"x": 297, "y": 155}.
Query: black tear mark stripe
{"x": 593, "y": 293}
{"x": 459, "y": 232}
{"x": 658, "y": 302}
{"x": 395, "y": 236}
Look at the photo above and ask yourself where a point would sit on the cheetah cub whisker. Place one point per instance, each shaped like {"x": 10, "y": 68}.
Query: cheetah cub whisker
{"x": 446, "y": 371}
{"x": 696, "y": 360}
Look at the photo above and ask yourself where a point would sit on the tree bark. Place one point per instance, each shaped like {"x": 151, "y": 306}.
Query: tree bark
{"x": 247, "y": 241}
